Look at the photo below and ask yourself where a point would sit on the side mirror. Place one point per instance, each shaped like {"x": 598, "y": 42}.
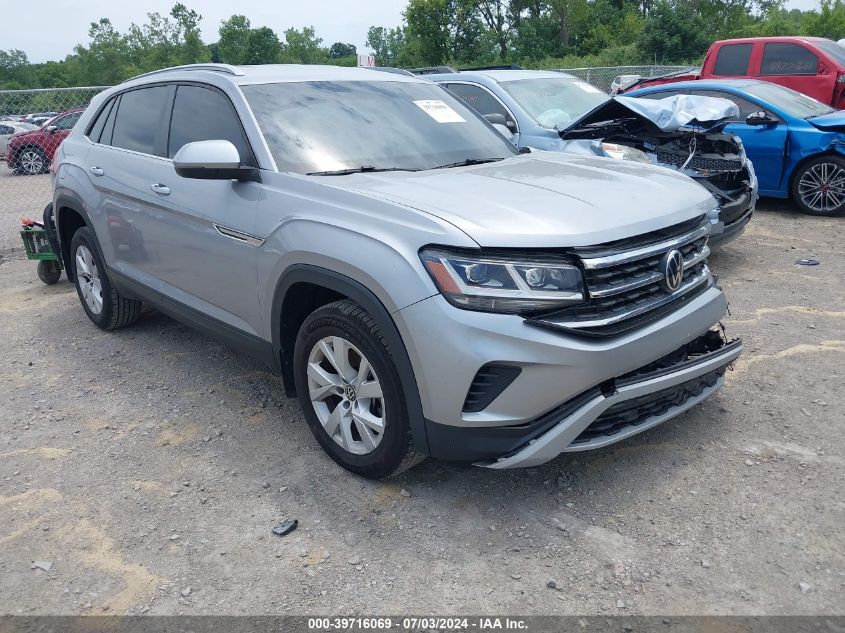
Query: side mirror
{"x": 495, "y": 118}
{"x": 52, "y": 128}
{"x": 759, "y": 118}
{"x": 213, "y": 160}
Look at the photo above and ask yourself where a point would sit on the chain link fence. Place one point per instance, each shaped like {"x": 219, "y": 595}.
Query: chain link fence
{"x": 34, "y": 122}
{"x": 603, "y": 77}
{"x": 32, "y": 125}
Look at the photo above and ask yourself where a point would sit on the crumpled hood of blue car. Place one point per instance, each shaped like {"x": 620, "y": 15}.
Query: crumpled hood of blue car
{"x": 832, "y": 121}
{"x": 671, "y": 114}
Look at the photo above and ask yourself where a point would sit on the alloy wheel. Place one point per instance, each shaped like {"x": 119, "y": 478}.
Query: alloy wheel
{"x": 31, "y": 161}
{"x": 822, "y": 187}
{"x": 346, "y": 395}
{"x": 88, "y": 279}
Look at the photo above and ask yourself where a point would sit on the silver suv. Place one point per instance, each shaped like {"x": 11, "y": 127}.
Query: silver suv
{"x": 422, "y": 286}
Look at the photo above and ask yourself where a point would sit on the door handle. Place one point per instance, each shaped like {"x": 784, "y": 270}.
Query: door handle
{"x": 97, "y": 171}
{"x": 160, "y": 188}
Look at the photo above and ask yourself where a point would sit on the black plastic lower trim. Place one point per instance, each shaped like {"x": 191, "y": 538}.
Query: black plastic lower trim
{"x": 232, "y": 336}
{"x": 475, "y": 444}
{"x": 731, "y": 230}
{"x": 489, "y": 382}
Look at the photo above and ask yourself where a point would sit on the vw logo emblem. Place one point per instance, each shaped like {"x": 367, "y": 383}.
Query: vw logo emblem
{"x": 350, "y": 393}
{"x": 672, "y": 267}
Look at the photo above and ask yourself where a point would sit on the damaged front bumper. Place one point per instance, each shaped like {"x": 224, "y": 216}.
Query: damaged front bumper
{"x": 629, "y": 404}
{"x": 733, "y": 183}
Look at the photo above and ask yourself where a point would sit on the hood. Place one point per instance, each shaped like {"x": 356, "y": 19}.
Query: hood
{"x": 23, "y": 133}
{"x": 669, "y": 115}
{"x": 835, "y": 121}
{"x": 543, "y": 199}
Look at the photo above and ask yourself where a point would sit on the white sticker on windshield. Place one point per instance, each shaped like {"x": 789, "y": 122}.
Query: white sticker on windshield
{"x": 439, "y": 111}
{"x": 587, "y": 87}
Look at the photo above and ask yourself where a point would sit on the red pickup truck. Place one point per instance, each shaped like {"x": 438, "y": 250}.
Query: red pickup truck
{"x": 812, "y": 65}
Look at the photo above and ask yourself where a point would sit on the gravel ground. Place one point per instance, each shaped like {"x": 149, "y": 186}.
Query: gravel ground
{"x": 144, "y": 468}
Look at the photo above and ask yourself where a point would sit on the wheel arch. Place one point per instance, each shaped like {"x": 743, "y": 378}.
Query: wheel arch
{"x": 830, "y": 151}
{"x": 69, "y": 215}
{"x": 302, "y": 289}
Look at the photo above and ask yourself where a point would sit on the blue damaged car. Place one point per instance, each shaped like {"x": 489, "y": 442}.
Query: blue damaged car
{"x": 797, "y": 144}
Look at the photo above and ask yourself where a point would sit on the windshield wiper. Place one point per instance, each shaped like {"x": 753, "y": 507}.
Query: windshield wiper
{"x": 468, "y": 162}
{"x": 357, "y": 170}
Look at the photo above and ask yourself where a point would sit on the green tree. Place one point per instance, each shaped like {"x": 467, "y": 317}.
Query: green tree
{"x": 192, "y": 49}
{"x": 388, "y": 45}
{"x": 570, "y": 16}
{"x": 263, "y": 46}
{"x": 339, "y": 49}
{"x": 828, "y": 22}
{"x": 15, "y": 70}
{"x": 498, "y": 17}
{"x": 106, "y": 60}
{"x": 303, "y": 46}
{"x": 674, "y": 32}
{"x": 234, "y": 39}
{"x": 427, "y": 30}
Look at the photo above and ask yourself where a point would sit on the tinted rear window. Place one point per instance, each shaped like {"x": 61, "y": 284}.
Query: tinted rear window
{"x": 732, "y": 60}
{"x": 203, "y": 114}
{"x": 780, "y": 58}
{"x": 139, "y": 119}
{"x": 97, "y": 129}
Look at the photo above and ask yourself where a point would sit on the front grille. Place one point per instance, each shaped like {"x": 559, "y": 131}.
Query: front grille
{"x": 700, "y": 163}
{"x": 639, "y": 410}
{"x": 626, "y": 286}
{"x": 605, "y": 282}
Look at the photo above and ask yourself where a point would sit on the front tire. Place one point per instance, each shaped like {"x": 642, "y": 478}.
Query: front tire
{"x": 818, "y": 187}
{"x": 350, "y": 392}
{"x": 103, "y": 304}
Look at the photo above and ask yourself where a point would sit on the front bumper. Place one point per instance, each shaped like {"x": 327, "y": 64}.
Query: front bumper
{"x": 634, "y": 404}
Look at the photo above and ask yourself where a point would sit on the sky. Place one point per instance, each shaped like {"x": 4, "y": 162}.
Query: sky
{"x": 49, "y": 29}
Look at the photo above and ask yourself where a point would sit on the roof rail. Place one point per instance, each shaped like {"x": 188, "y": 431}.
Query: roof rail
{"x": 391, "y": 69}
{"x": 220, "y": 68}
{"x": 431, "y": 70}
{"x": 502, "y": 67}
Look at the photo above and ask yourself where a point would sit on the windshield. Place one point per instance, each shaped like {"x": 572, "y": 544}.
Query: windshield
{"x": 337, "y": 126}
{"x": 789, "y": 101}
{"x": 555, "y": 102}
{"x": 832, "y": 49}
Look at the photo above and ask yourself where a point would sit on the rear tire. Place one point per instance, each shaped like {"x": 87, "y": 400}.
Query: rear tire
{"x": 818, "y": 186}
{"x": 350, "y": 392}
{"x": 103, "y": 304}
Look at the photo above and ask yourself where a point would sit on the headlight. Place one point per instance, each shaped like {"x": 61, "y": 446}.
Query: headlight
{"x": 511, "y": 285}
{"x": 614, "y": 150}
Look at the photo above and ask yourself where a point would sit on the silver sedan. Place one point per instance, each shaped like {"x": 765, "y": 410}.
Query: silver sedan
{"x": 7, "y": 128}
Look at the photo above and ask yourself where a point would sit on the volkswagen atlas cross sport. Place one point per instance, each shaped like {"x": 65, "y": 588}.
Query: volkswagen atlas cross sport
{"x": 422, "y": 286}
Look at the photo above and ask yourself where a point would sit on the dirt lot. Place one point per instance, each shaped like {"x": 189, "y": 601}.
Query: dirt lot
{"x": 148, "y": 466}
